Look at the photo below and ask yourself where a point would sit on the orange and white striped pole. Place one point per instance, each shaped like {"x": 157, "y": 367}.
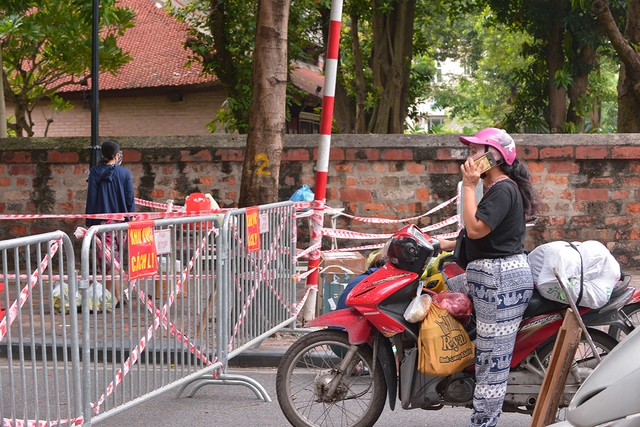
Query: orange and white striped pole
{"x": 322, "y": 164}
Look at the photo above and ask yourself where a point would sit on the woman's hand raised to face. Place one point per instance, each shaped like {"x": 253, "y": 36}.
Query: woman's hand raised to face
{"x": 470, "y": 173}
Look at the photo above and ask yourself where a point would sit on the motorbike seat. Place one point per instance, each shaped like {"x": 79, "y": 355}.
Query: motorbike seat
{"x": 621, "y": 285}
{"x": 539, "y": 305}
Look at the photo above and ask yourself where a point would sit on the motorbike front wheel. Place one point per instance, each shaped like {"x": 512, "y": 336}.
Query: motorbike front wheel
{"x": 309, "y": 369}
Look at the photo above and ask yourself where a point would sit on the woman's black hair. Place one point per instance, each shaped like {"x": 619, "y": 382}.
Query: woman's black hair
{"x": 519, "y": 173}
{"x": 110, "y": 148}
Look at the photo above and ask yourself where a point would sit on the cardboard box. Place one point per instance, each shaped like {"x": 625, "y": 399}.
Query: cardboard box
{"x": 339, "y": 262}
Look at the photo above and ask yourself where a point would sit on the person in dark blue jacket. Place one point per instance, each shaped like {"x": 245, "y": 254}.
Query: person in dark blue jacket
{"x": 110, "y": 185}
{"x": 110, "y": 190}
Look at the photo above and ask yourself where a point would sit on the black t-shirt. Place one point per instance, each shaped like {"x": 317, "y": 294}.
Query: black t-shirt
{"x": 502, "y": 209}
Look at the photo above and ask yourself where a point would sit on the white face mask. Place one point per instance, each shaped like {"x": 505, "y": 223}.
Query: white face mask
{"x": 119, "y": 156}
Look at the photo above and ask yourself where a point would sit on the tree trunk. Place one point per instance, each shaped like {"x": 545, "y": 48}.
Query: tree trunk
{"x": 267, "y": 118}
{"x": 629, "y": 78}
{"x": 578, "y": 90}
{"x": 392, "y": 54}
{"x": 21, "y": 120}
{"x": 3, "y": 107}
{"x": 361, "y": 84}
{"x": 595, "y": 113}
{"x": 407, "y": 60}
{"x": 557, "y": 94}
{"x": 342, "y": 111}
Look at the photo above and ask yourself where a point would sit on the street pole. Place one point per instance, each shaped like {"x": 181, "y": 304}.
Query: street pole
{"x": 94, "y": 149}
{"x": 322, "y": 165}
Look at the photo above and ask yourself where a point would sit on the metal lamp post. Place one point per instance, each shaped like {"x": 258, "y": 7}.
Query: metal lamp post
{"x": 94, "y": 149}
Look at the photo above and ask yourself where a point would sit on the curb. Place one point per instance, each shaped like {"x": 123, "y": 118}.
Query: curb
{"x": 259, "y": 358}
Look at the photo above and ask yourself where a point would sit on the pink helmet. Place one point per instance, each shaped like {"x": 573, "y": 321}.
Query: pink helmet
{"x": 496, "y": 138}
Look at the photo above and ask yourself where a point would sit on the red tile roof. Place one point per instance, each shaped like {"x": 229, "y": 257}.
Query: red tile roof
{"x": 308, "y": 79}
{"x": 156, "y": 46}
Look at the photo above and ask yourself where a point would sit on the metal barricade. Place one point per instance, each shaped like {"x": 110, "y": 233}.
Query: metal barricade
{"x": 256, "y": 261}
{"x": 40, "y": 381}
{"x": 217, "y": 291}
{"x": 258, "y": 285}
{"x": 156, "y": 332}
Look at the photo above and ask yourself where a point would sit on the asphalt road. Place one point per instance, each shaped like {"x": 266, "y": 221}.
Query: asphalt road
{"x": 232, "y": 405}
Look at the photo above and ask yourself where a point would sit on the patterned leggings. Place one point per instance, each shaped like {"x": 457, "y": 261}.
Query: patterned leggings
{"x": 501, "y": 289}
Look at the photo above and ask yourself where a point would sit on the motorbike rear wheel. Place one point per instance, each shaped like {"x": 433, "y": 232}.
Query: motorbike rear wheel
{"x": 306, "y": 372}
{"x": 584, "y": 354}
{"x": 633, "y": 312}
{"x": 584, "y": 357}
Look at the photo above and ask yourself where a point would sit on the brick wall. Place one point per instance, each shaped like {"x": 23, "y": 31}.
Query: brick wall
{"x": 590, "y": 184}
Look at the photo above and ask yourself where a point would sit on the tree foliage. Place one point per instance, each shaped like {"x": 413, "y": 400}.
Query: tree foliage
{"x": 492, "y": 56}
{"x": 47, "y": 45}
{"x": 382, "y": 69}
{"x": 222, "y": 38}
{"x": 567, "y": 45}
{"x": 627, "y": 47}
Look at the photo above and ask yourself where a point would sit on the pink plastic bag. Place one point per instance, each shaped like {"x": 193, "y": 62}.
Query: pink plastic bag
{"x": 457, "y": 304}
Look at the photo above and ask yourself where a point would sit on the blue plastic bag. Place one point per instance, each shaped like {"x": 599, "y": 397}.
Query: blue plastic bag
{"x": 303, "y": 194}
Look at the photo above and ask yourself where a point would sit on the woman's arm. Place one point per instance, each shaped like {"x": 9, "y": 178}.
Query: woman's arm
{"x": 476, "y": 228}
{"x": 447, "y": 245}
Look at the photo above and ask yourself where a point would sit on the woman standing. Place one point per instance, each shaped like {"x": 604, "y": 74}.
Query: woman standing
{"x": 498, "y": 275}
{"x": 110, "y": 190}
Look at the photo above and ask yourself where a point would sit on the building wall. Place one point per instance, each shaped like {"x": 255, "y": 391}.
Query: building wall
{"x": 590, "y": 184}
{"x": 133, "y": 115}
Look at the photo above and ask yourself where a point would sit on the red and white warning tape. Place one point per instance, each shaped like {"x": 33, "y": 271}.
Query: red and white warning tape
{"x": 269, "y": 255}
{"x": 24, "y": 293}
{"x": 306, "y": 214}
{"x": 10, "y": 318}
{"x": 118, "y": 216}
{"x": 353, "y": 235}
{"x": 437, "y": 226}
{"x": 391, "y": 221}
{"x": 299, "y": 206}
{"x": 160, "y": 206}
{"x": 8, "y": 422}
{"x": 138, "y": 349}
{"x": 306, "y": 252}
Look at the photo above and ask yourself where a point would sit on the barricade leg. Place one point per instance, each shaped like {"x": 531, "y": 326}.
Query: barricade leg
{"x": 1, "y": 292}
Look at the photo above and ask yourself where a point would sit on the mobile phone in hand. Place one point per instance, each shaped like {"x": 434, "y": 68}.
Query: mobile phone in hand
{"x": 486, "y": 161}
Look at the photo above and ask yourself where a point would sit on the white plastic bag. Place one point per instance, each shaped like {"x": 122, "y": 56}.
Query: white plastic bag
{"x": 600, "y": 271}
{"x": 60, "y": 296}
{"x": 100, "y": 298}
{"x": 418, "y": 308}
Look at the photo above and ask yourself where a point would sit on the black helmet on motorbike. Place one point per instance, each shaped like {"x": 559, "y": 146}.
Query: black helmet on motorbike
{"x": 409, "y": 249}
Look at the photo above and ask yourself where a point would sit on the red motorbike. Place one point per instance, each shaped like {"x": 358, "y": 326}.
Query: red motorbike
{"x": 341, "y": 376}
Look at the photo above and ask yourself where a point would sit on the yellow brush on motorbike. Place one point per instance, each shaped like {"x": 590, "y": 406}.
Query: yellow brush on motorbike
{"x": 433, "y": 278}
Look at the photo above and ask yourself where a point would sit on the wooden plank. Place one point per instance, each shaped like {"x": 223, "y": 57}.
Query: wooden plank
{"x": 553, "y": 384}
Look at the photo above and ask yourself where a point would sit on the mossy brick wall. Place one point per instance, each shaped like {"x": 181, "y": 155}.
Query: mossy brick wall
{"x": 590, "y": 184}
